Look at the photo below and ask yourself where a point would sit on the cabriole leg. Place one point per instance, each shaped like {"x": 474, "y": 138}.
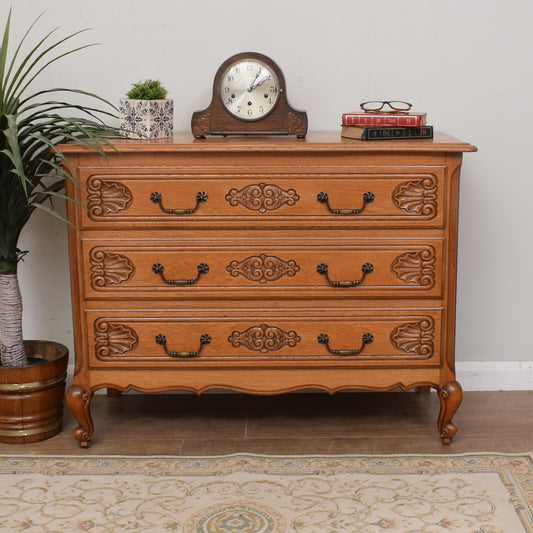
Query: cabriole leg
{"x": 79, "y": 402}
{"x": 450, "y": 396}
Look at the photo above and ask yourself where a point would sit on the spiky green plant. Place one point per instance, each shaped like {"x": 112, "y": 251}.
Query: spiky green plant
{"x": 32, "y": 168}
{"x": 147, "y": 90}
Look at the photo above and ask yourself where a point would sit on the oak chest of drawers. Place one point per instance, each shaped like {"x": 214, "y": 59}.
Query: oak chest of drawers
{"x": 265, "y": 266}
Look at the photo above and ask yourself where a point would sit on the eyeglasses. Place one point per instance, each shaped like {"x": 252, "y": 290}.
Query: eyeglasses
{"x": 378, "y": 105}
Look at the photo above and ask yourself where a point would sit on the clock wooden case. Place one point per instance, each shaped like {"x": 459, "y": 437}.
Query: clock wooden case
{"x": 255, "y": 71}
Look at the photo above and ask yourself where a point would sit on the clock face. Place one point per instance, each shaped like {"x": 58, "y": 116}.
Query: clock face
{"x": 249, "y": 89}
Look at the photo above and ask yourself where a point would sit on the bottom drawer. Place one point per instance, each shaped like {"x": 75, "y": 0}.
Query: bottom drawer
{"x": 354, "y": 338}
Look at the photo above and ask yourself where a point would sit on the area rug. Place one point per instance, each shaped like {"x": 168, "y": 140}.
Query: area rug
{"x": 476, "y": 493}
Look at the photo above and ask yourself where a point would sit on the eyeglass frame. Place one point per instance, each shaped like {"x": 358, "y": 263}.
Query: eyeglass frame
{"x": 384, "y": 103}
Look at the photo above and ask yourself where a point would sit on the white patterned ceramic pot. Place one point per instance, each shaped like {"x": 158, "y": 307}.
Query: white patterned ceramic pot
{"x": 146, "y": 119}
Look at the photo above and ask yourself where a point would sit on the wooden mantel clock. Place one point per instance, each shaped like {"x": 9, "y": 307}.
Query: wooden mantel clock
{"x": 249, "y": 98}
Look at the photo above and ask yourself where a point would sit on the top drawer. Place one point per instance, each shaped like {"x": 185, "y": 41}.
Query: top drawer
{"x": 260, "y": 199}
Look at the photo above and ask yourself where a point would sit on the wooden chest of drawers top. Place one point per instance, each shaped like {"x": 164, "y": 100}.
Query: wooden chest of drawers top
{"x": 326, "y": 141}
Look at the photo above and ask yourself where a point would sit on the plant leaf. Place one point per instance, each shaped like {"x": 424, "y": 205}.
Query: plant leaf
{"x": 11, "y": 134}
{"x": 3, "y": 57}
{"x": 33, "y": 170}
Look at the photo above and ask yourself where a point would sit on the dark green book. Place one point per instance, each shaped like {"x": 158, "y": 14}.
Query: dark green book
{"x": 377, "y": 133}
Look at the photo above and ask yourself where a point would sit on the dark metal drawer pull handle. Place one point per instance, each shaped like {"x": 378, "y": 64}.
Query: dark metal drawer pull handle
{"x": 324, "y": 339}
{"x": 367, "y": 268}
{"x": 323, "y": 198}
{"x": 203, "y": 268}
{"x": 162, "y": 340}
{"x": 156, "y": 198}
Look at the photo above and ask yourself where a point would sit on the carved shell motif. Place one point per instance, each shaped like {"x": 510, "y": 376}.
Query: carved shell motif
{"x": 262, "y": 197}
{"x": 107, "y": 197}
{"x": 415, "y": 337}
{"x": 109, "y": 268}
{"x": 113, "y": 339}
{"x": 264, "y": 338}
{"x": 416, "y": 268}
{"x": 418, "y": 197}
{"x": 263, "y": 268}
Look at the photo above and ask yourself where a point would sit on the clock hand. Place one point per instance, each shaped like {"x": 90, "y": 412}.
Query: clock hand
{"x": 259, "y": 83}
{"x": 253, "y": 85}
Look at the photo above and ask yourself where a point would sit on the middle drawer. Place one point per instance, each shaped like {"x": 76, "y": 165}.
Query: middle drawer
{"x": 379, "y": 269}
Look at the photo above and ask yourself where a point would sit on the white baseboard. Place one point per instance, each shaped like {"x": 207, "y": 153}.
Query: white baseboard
{"x": 479, "y": 375}
{"x": 495, "y": 375}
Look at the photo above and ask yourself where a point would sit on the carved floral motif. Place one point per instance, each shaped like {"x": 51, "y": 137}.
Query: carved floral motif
{"x": 417, "y": 197}
{"x": 262, "y": 197}
{"x": 263, "y": 268}
{"x": 109, "y": 268}
{"x": 264, "y": 338}
{"x": 107, "y": 197}
{"x": 113, "y": 339}
{"x": 415, "y": 337}
{"x": 416, "y": 268}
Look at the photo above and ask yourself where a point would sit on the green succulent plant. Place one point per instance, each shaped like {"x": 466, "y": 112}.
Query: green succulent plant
{"x": 147, "y": 90}
{"x": 33, "y": 170}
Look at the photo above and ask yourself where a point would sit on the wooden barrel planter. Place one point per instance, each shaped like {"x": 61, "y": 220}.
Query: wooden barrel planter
{"x": 31, "y": 397}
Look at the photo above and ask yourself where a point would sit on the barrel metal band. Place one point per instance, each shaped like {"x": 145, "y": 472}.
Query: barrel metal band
{"x": 29, "y": 432}
{"x": 4, "y": 387}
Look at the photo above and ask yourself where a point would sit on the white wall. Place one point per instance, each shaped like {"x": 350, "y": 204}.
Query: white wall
{"x": 467, "y": 63}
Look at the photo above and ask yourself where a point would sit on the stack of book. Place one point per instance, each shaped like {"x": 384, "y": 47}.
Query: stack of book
{"x": 373, "y": 126}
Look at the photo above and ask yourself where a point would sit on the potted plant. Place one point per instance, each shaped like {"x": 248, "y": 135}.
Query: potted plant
{"x": 147, "y": 113}
{"x": 32, "y": 174}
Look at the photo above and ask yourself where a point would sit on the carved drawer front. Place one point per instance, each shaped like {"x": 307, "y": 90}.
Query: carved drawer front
{"x": 378, "y": 269}
{"x": 352, "y": 339}
{"x": 345, "y": 200}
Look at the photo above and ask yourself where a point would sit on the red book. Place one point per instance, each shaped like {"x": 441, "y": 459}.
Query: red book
{"x": 384, "y": 119}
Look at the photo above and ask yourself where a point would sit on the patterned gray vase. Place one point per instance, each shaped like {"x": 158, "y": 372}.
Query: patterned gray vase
{"x": 146, "y": 119}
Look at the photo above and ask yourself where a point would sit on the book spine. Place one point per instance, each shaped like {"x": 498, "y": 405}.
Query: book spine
{"x": 369, "y": 119}
{"x": 372, "y": 134}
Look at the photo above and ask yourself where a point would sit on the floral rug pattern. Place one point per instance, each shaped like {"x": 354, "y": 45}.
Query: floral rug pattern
{"x": 242, "y": 493}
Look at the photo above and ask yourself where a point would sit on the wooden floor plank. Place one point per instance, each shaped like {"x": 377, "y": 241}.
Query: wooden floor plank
{"x": 302, "y": 423}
